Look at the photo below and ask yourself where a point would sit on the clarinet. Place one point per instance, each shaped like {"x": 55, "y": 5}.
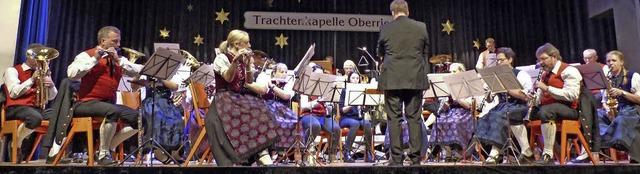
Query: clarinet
{"x": 533, "y": 99}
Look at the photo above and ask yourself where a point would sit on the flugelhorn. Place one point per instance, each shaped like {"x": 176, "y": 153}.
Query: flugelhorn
{"x": 42, "y": 55}
{"x": 133, "y": 54}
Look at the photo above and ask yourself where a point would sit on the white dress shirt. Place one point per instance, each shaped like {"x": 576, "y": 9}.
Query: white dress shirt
{"x": 17, "y": 89}
{"x": 83, "y": 63}
{"x": 571, "y": 88}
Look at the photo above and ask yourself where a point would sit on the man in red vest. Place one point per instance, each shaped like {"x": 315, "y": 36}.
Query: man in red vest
{"x": 558, "y": 93}
{"x": 99, "y": 70}
{"x": 21, "y": 86}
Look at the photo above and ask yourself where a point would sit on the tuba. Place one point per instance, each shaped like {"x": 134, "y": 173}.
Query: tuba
{"x": 42, "y": 55}
{"x": 133, "y": 54}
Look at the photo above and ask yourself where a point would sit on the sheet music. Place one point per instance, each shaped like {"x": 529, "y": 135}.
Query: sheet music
{"x": 125, "y": 85}
{"x": 441, "y": 89}
{"x": 356, "y": 95}
{"x": 163, "y": 64}
{"x": 175, "y": 47}
{"x": 314, "y": 84}
{"x": 305, "y": 60}
{"x": 204, "y": 75}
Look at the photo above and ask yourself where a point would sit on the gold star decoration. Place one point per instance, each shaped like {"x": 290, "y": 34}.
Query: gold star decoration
{"x": 222, "y": 16}
{"x": 281, "y": 41}
{"x": 447, "y": 27}
{"x": 190, "y": 7}
{"x": 476, "y": 44}
{"x": 198, "y": 40}
{"x": 164, "y": 33}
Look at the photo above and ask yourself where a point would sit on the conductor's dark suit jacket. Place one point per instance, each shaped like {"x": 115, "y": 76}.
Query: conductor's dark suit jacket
{"x": 403, "y": 43}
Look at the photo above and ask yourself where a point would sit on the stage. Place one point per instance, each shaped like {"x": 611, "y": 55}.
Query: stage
{"x": 37, "y": 167}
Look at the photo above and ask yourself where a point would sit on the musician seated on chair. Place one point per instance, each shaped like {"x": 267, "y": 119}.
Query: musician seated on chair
{"x": 352, "y": 117}
{"x": 557, "y": 97}
{"x": 278, "y": 99}
{"x": 622, "y": 130}
{"x": 168, "y": 123}
{"x": 24, "y": 102}
{"x": 493, "y": 127}
{"x": 453, "y": 129}
{"x": 99, "y": 70}
{"x": 314, "y": 117}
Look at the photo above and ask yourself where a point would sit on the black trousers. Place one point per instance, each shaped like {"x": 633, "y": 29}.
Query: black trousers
{"x": 394, "y": 100}
{"x": 31, "y": 116}
{"x": 112, "y": 112}
{"x": 555, "y": 111}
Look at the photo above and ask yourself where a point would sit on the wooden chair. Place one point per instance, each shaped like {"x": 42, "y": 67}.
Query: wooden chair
{"x": 565, "y": 127}
{"x": 11, "y": 127}
{"x": 199, "y": 102}
{"x": 90, "y": 123}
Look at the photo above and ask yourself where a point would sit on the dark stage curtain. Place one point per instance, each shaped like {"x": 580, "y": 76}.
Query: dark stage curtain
{"x": 521, "y": 25}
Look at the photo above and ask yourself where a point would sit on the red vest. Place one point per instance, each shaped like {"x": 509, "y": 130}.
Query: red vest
{"x": 556, "y": 81}
{"x": 236, "y": 83}
{"x": 99, "y": 83}
{"x": 28, "y": 98}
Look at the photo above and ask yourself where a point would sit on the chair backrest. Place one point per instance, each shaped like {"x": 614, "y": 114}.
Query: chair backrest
{"x": 131, "y": 99}
{"x": 295, "y": 108}
{"x": 199, "y": 100}
{"x": 3, "y": 100}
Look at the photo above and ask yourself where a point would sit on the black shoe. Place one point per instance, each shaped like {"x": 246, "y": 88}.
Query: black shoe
{"x": 347, "y": 157}
{"x": 527, "y": 159}
{"x": 632, "y": 161}
{"x": 64, "y": 160}
{"x": 576, "y": 160}
{"x": 393, "y": 164}
{"x": 107, "y": 161}
{"x": 546, "y": 159}
{"x": 369, "y": 158}
{"x": 19, "y": 156}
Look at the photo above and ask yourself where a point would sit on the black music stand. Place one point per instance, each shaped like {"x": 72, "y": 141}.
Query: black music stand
{"x": 593, "y": 76}
{"x": 311, "y": 84}
{"x": 364, "y": 95}
{"x": 161, "y": 65}
{"x": 501, "y": 79}
{"x": 463, "y": 85}
{"x": 437, "y": 89}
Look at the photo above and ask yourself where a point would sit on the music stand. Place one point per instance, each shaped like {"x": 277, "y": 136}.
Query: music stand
{"x": 437, "y": 89}
{"x": 365, "y": 95}
{"x": 162, "y": 64}
{"x": 594, "y": 77}
{"x": 463, "y": 85}
{"x": 501, "y": 79}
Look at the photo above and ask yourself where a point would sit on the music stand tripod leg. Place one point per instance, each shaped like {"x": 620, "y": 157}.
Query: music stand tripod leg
{"x": 509, "y": 145}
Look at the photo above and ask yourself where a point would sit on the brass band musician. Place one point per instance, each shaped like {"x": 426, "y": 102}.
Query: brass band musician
{"x": 21, "y": 88}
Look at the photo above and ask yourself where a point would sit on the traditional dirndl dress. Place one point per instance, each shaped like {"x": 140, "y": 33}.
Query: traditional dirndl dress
{"x": 494, "y": 126}
{"x": 454, "y": 127}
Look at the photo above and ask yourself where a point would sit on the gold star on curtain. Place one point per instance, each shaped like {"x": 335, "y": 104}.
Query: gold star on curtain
{"x": 222, "y": 16}
{"x": 281, "y": 41}
{"x": 198, "y": 40}
{"x": 164, "y": 33}
{"x": 476, "y": 44}
{"x": 447, "y": 27}
{"x": 190, "y": 7}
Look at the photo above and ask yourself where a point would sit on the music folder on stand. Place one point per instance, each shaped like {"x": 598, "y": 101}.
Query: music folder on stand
{"x": 464, "y": 85}
{"x": 163, "y": 64}
{"x": 501, "y": 79}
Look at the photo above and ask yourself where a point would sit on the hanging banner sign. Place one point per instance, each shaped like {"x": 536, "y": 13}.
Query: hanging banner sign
{"x": 314, "y": 21}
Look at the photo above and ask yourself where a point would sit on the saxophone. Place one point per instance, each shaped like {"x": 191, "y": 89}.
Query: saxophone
{"x": 42, "y": 55}
{"x": 533, "y": 99}
{"x": 612, "y": 102}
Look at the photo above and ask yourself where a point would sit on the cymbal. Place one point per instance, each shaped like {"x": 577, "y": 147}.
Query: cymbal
{"x": 440, "y": 59}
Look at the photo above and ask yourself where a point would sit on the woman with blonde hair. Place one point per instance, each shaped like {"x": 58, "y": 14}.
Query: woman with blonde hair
{"x": 239, "y": 123}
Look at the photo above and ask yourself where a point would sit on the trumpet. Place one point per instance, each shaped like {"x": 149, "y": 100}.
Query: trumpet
{"x": 42, "y": 55}
{"x": 612, "y": 102}
{"x": 533, "y": 99}
{"x": 133, "y": 54}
